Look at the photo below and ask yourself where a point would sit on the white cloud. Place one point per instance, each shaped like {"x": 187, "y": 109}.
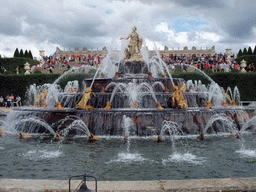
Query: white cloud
{"x": 36, "y": 25}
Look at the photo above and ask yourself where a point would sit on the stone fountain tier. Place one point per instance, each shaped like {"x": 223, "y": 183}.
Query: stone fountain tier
{"x": 132, "y": 68}
{"x": 146, "y": 122}
{"x": 121, "y": 100}
{"x": 100, "y": 83}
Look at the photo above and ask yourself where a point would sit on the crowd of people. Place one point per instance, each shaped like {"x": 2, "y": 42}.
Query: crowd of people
{"x": 217, "y": 63}
{"x": 50, "y": 62}
{"x": 10, "y": 101}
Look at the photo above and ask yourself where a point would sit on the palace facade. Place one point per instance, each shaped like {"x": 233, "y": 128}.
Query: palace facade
{"x": 166, "y": 52}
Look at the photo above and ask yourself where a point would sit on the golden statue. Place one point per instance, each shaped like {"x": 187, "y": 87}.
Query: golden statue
{"x": 224, "y": 104}
{"x": 134, "y": 106}
{"x": 158, "y": 106}
{"x": 134, "y": 46}
{"x": 108, "y": 106}
{"x": 58, "y": 106}
{"x": 233, "y": 104}
{"x": 158, "y": 139}
{"x": 164, "y": 75}
{"x": 83, "y": 104}
{"x": 2, "y": 133}
{"x": 103, "y": 90}
{"x": 58, "y": 137}
{"x": 41, "y": 97}
{"x": 178, "y": 101}
{"x": 44, "y": 106}
{"x": 70, "y": 90}
{"x": 21, "y": 136}
{"x": 166, "y": 90}
{"x": 93, "y": 138}
{"x": 201, "y": 136}
{"x": 116, "y": 75}
{"x": 208, "y": 105}
{"x": 150, "y": 75}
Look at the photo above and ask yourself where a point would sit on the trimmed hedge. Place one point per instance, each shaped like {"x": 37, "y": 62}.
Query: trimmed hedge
{"x": 10, "y": 64}
{"x": 18, "y": 84}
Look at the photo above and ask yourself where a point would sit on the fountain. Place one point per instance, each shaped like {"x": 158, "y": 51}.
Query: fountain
{"x": 127, "y": 104}
{"x": 134, "y": 91}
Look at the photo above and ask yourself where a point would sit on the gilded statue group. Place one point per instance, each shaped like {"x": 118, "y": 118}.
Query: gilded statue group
{"x": 132, "y": 54}
{"x": 134, "y": 47}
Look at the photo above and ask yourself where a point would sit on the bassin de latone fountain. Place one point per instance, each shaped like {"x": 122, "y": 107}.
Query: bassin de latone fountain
{"x": 133, "y": 92}
{"x": 131, "y": 100}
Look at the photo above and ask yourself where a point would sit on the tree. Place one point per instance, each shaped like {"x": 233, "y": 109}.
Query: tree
{"x": 254, "y": 52}
{"x": 249, "y": 51}
{"x": 240, "y": 53}
{"x": 16, "y": 53}
{"x": 245, "y": 51}
{"x": 21, "y": 53}
{"x": 30, "y": 54}
{"x": 26, "y": 54}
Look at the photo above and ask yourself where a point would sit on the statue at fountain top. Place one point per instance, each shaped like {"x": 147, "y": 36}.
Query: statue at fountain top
{"x": 134, "y": 46}
{"x": 83, "y": 104}
{"x": 178, "y": 101}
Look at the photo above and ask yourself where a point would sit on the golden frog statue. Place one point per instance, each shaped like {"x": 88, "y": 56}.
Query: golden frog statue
{"x": 108, "y": 106}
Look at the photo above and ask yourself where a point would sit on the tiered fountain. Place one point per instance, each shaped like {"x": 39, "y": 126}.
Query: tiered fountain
{"x": 134, "y": 91}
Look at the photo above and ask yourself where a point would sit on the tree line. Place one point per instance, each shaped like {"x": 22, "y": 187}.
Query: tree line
{"x": 246, "y": 52}
{"x": 26, "y": 54}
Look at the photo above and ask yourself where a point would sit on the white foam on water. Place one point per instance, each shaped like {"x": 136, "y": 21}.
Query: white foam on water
{"x": 1, "y": 148}
{"x": 247, "y": 153}
{"x": 128, "y": 158}
{"x": 186, "y": 157}
{"x": 41, "y": 154}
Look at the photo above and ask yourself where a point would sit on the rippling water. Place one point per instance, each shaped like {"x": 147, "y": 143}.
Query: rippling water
{"x": 109, "y": 159}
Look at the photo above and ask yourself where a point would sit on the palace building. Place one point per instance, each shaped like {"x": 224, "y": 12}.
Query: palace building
{"x": 166, "y": 52}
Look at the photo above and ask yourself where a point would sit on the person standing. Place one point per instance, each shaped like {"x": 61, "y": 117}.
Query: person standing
{"x": 2, "y": 104}
{"x": 8, "y": 105}
{"x": 18, "y": 101}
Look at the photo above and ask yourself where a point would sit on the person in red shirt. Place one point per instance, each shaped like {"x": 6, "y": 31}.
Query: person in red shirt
{"x": 237, "y": 67}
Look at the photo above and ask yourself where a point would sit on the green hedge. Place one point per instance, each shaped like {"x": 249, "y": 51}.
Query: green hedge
{"x": 10, "y": 64}
{"x": 18, "y": 84}
{"x": 248, "y": 58}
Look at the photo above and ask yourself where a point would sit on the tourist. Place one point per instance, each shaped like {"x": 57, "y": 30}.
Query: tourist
{"x": 50, "y": 69}
{"x": 18, "y": 101}
{"x": 8, "y": 105}
{"x": 2, "y": 104}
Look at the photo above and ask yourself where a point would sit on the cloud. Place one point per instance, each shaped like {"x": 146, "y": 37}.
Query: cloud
{"x": 94, "y": 24}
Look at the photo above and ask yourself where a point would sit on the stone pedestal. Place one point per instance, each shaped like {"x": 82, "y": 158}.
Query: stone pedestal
{"x": 243, "y": 65}
{"x": 27, "y": 67}
{"x": 228, "y": 52}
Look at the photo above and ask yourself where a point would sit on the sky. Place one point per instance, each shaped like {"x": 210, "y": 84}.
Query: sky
{"x": 44, "y": 25}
